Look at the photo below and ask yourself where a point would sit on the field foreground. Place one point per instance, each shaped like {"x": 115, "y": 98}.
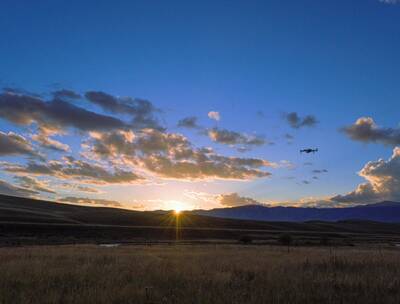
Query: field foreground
{"x": 198, "y": 274}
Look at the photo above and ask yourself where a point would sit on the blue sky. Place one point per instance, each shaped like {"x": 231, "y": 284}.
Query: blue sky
{"x": 334, "y": 60}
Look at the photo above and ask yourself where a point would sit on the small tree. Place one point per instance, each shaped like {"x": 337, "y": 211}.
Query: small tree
{"x": 324, "y": 241}
{"x": 286, "y": 239}
{"x": 246, "y": 239}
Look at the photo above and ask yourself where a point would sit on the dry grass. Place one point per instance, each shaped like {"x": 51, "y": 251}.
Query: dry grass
{"x": 198, "y": 274}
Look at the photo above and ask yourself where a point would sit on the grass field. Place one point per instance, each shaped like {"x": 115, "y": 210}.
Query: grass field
{"x": 198, "y": 274}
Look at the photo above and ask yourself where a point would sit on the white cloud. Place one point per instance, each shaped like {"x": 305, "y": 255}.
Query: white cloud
{"x": 234, "y": 200}
{"x": 366, "y": 130}
{"x": 214, "y": 115}
{"x": 91, "y": 201}
{"x": 383, "y": 181}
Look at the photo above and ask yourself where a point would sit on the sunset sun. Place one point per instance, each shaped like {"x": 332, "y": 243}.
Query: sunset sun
{"x": 178, "y": 206}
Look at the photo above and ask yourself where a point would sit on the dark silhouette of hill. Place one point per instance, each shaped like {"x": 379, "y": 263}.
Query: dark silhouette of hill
{"x": 387, "y": 211}
{"x": 29, "y": 221}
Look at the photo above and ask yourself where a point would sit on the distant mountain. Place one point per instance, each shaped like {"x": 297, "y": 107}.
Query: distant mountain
{"x": 382, "y": 212}
{"x": 382, "y": 204}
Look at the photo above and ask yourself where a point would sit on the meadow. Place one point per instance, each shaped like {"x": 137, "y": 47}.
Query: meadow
{"x": 199, "y": 274}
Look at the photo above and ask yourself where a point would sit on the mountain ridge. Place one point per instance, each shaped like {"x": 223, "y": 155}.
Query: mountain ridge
{"x": 386, "y": 211}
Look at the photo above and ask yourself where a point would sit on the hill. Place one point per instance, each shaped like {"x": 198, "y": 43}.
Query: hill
{"x": 388, "y": 212}
{"x": 29, "y": 221}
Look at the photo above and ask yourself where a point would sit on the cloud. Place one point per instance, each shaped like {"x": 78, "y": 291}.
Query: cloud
{"x": 313, "y": 202}
{"x": 20, "y": 91}
{"x": 289, "y": 138}
{"x": 389, "y": 1}
{"x": 317, "y": 171}
{"x": 53, "y": 115}
{"x": 111, "y": 143}
{"x": 131, "y": 145}
{"x": 214, "y": 115}
{"x": 68, "y": 94}
{"x": 142, "y": 111}
{"x": 45, "y": 141}
{"x": 297, "y": 122}
{"x": 34, "y": 184}
{"x": 90, "y": 201}
{"x": 206, "y": 166}
{"x": 287, "y": 164}
{"x": 241, "y": 141}
{"x": 8, "y": 189}
{"x": 14, "y": 144}
{"x": 383, "y": 182}
{"x": 234, "y": 200}
{"x": 58, "y": 113}
{"x": 71, "y": 168}
{"x": 260, "y": 114}
{"x": 171, "y": 155}
{"x": 74, "y": 187}
{"x": 366, "y": 130}
{"x": 233, "y": 138}
{"x": 96, "y": 174}
{"x": 199, "y": 196}
{"x": 189, "y": 123}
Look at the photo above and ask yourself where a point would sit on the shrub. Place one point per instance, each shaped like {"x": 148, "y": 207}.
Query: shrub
{"x": 285, "y": 239}
{"x": 324, "y": 241}
{"x": 246, "y": 239}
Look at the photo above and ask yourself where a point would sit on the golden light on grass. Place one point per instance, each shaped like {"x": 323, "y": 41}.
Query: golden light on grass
{"x": 259, "y": 274}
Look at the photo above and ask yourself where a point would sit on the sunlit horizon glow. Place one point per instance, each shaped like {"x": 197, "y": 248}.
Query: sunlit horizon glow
{"x": 177, "y": 207}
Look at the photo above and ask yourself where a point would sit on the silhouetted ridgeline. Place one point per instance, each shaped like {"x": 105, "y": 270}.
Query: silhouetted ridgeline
{"x": 388, "y": 212}
{"x": 25, "y": 221}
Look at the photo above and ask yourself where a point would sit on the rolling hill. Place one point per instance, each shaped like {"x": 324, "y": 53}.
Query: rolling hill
{"x": 25, "y": 221}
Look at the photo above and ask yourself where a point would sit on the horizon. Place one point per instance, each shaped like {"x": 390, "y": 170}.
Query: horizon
{"x": 179, "y": 210}
{"x": 200, "y": 105}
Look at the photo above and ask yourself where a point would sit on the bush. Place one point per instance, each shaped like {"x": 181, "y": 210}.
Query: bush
{"x": 324, "y": 241}
{"x": 286, "y": 239}
{"x": 245, "y": 239}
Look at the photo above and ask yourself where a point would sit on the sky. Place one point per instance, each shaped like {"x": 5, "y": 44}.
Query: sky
{"x": 186, "y": 105}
